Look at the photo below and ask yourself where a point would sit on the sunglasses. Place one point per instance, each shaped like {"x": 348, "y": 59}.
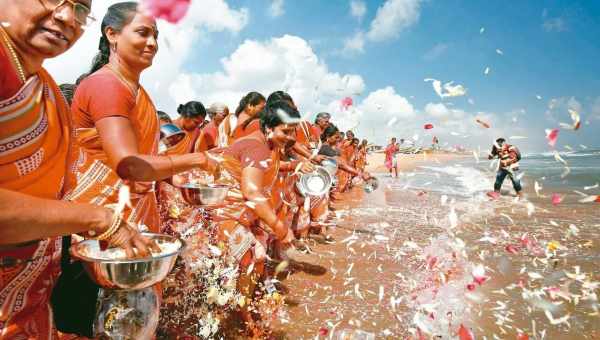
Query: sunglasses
{"x": 81, "y": 12}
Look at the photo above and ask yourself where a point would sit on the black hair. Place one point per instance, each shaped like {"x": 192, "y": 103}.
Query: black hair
{"x": 163, "y": 116}
{"x": 500, "y": 140}
{"x": 280, "y": 95}
{"x": 252, "y": 98}
{"x": 355, "y": 140}
{"x": 270, "y": 116}
{"x": 67, "y": 91}
{"x": 117, "y": 16}
{"x": 192, "y": 109}
{"x": 328, "y": 132}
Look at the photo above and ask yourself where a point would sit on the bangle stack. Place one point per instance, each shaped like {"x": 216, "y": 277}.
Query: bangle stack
{"x": 114, "y": 226}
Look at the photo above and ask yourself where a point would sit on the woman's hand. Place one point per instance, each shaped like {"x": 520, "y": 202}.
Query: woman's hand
{"x": 317, "y": 159}
{"x": 366, "y": 176}
{"x": 128, "y": 238}
{"x": 307, "y": 167}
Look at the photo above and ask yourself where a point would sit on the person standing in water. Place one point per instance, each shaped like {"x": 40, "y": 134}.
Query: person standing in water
{"x": 390, "y": 157}
{"x": 509, "y": 157}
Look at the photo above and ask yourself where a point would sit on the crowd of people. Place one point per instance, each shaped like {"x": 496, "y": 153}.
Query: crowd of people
{"x": 64, "y": 159}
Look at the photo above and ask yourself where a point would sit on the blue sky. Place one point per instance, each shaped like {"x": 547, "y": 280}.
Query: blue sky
{"x": 549, "y": 49}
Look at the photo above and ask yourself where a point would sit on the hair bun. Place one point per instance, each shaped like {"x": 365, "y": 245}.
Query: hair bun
{"x": 180, "y": 108}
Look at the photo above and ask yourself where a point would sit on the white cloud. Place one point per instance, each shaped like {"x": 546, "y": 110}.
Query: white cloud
{"x": 284, "y": 63}
{"x": 436, "y": 51}
{"x": 175, "y": 45}
{"x": 276, "y": 9}
{"x": 358, "y": 9}
{"x": 392, "y": 17}
{"x": 355, "y": 43}
{"x": 438, "y": 110}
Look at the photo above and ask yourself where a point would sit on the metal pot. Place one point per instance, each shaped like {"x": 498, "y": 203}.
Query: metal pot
{"x": 316, "y": 183}
{"x": 170, "y": 135}
{"x": 371, "y": 185}
{"x": 129, "y": 274}
{"x": 204, "y": 194}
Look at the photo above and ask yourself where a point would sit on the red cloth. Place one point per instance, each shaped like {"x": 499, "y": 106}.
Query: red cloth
{"x": 390, "y": 150}
{"x": 211, "y": 133}
{"x": 101, "y": 95}
{"x": 8, "y": 76}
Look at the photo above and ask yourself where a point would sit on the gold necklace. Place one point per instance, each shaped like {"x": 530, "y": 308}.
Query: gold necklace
{"x": 123, "y": 79}
{"x": 13, "y": 55}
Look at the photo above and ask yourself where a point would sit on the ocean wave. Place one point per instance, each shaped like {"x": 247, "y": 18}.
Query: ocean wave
{"x": 471, "y": 180}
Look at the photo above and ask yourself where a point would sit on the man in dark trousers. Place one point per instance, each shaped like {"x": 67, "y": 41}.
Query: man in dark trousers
{"x": 509, "y": 157}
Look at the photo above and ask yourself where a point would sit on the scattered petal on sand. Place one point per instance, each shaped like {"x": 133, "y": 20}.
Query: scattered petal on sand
{"x": 589, "y": 199}
{"x": 551, "y": 136}
{"x": 556, "y": 199}
{"x": 537, "y": 187}
{"x": 5, "y": 24}
{"x": 479, "y": 274}
{"x": 553, "y": 321}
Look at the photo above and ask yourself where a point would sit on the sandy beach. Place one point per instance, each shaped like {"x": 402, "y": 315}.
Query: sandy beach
{"x": 403, "y": 257}
{"x": 407, "y": 162}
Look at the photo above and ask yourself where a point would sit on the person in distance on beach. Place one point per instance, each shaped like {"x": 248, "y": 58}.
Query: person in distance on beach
{"x": 509, "y": 156}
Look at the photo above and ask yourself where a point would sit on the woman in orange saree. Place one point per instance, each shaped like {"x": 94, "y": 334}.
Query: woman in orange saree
{"x": 237, "y": 125}
{"x": 191, "y": 121}
{"x": 116, "y": 122}
{"x": 347, "y": 154}
{"x": 209, "y": 136}
{"x": 249, "y": 219}
{"x": 36, "y": 155}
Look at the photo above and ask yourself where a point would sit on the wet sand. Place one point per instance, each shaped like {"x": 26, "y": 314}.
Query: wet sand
{"x": 402, "y": 259}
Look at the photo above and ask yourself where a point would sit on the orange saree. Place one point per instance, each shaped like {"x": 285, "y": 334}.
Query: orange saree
{"x": 237, "y": 222}
{"x": 35, "y": 159}
{"x": 97, "y": 183}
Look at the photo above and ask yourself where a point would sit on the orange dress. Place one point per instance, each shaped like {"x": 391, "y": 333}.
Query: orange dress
{"x": 347, "y": 154}
{"x": 36, "y": 154}
{"x": 102, "y": 95}
{"x": 237, "y": 222}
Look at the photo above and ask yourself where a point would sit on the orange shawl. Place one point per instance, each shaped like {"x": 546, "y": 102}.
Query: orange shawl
{"x": 35, "y": 158}
{"x": 98, "y": 184}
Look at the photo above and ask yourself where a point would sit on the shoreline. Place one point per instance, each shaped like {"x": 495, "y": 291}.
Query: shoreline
{"x": 408, "y": 162}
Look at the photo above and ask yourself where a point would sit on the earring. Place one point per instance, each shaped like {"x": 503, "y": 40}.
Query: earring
{"x": 114, "y": 47}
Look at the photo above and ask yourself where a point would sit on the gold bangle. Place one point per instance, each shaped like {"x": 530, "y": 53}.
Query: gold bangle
{"x": 116, "y": 223}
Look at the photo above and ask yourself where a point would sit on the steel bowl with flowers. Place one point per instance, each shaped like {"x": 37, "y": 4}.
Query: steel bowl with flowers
{"x": 204, "y": 195}
{"x": 112, "y": 269}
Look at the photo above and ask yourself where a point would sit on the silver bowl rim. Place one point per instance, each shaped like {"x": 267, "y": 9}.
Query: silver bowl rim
{"x": 203, "y": 186}
{"x": 319, "y": 171}
{"x": 79, "y": 256}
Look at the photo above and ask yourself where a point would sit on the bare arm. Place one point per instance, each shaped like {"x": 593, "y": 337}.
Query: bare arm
{"x": 120, "y": 144}
{"x": 25, "y": 218}
{"x": 252, "y": 186}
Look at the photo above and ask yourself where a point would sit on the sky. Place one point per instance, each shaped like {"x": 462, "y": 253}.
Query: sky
{"x": 522, "y": 65}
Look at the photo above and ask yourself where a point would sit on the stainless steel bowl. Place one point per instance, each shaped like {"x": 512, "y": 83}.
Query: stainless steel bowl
{"x": 316, "y": 183}
{"x": 371, "y": 185}
{"x": 128, "y": 274}
{"x": 331, "y": 165}
{"x": 170, "y": 135}
{"x": 204, "y": 194}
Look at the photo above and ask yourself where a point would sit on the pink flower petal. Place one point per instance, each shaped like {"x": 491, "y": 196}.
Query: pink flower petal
{"x": 346, "y": 103}
{"x": 465, "y": 334}
{"x": 512, "y": 249}
{"x": 556, "y": 199}
{"x": 171, "y": 10}
{"x": 323, "y": 331}
{"x": 522, "y": 336}
{"x": 428, "y": 126}
{"x": 552, "y": 136}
